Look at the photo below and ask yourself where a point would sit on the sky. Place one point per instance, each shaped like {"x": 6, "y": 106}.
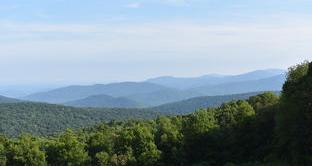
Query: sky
{"x": 45, "y": 42}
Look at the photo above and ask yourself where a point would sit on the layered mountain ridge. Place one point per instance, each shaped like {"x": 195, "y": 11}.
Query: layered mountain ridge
{"x": 161, "y": 90}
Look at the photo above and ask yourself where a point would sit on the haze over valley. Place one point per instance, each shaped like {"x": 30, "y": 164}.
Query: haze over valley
{"x": 161, "y": 90}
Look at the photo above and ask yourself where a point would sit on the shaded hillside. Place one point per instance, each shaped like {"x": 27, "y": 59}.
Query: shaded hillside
{"x": 193, "y": 104}
{"x": 45, "y": 119}
{"x": 104, "y": 101}
{"x": 162, "y": 97}
{"x": 4, "y": 99}
{"x": 71, "y": 93}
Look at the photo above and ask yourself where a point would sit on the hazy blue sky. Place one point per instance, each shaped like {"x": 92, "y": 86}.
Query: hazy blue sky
{"x": 94, "y": 41}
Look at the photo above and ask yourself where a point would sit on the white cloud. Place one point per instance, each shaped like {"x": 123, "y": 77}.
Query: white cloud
{"x": 181, "y": 48}
{"x": 179, "y": 39}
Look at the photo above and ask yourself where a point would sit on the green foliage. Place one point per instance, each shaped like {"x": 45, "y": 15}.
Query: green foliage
{"x": 263, "y": 101}
{"x": 233, "y": 113}
{"x": 199, "y": 133}
{"x": 48, "y": 119}
{"x": 26, "y": 151}
{"x": 298, "y": 71}
{"x": 168, "y": 139}
{"x": 67, "y": 150}
{"x": 138, "y": 140}
{"x": 200, "y": 122}
{"x": 294, "y": 120}
{"x": 103, "y": 159}
{"x": 100, "y": 145}
{"x": 3, "y": 150}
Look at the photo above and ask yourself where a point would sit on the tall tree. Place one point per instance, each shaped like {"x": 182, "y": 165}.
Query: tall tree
{"x": 169, "y": 139}
{"x": 199, "y": 141}
{"x": 294, "y": 125}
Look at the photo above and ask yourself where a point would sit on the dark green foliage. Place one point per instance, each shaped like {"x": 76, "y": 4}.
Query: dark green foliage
{"x": 294, "y": 132}
{"x": 233, "y": 113}
{"x": 263, "y": 101}
{"x": 137, "y": 141}
{"x": 67, "y": 150}
{"x": 47, "y": 119}
{"x": 3, "y": 150}
{"x": 25, "y": 151}
{"x": 198, "y": 130}
{"x": 168, "y": 140}
{"x": 102, "y": 159}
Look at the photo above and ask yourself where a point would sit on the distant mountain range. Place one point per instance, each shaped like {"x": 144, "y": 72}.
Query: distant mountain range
{"x": 71, "y": 93}
{"x": 193, "y": 104}
{"x": 213, "y": 79}
{"x": 274, "y": 83}
{"x": 158, "y": 91}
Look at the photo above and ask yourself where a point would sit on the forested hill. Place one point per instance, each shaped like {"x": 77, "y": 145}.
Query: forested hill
{"x": 46, "y": 119}
{"x": 4, "y": 99}
{"x": 193, "y": 104}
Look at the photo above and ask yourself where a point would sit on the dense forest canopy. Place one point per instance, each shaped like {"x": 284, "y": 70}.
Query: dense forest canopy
{"x": 43, "y": 119}
{"x": 265, "y": 130}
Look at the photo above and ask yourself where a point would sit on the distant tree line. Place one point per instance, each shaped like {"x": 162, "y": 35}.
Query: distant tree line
{"x": 265, "y": 130}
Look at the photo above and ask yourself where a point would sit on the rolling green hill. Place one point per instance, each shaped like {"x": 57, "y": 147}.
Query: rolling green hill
{"x": 46, "y": 119}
